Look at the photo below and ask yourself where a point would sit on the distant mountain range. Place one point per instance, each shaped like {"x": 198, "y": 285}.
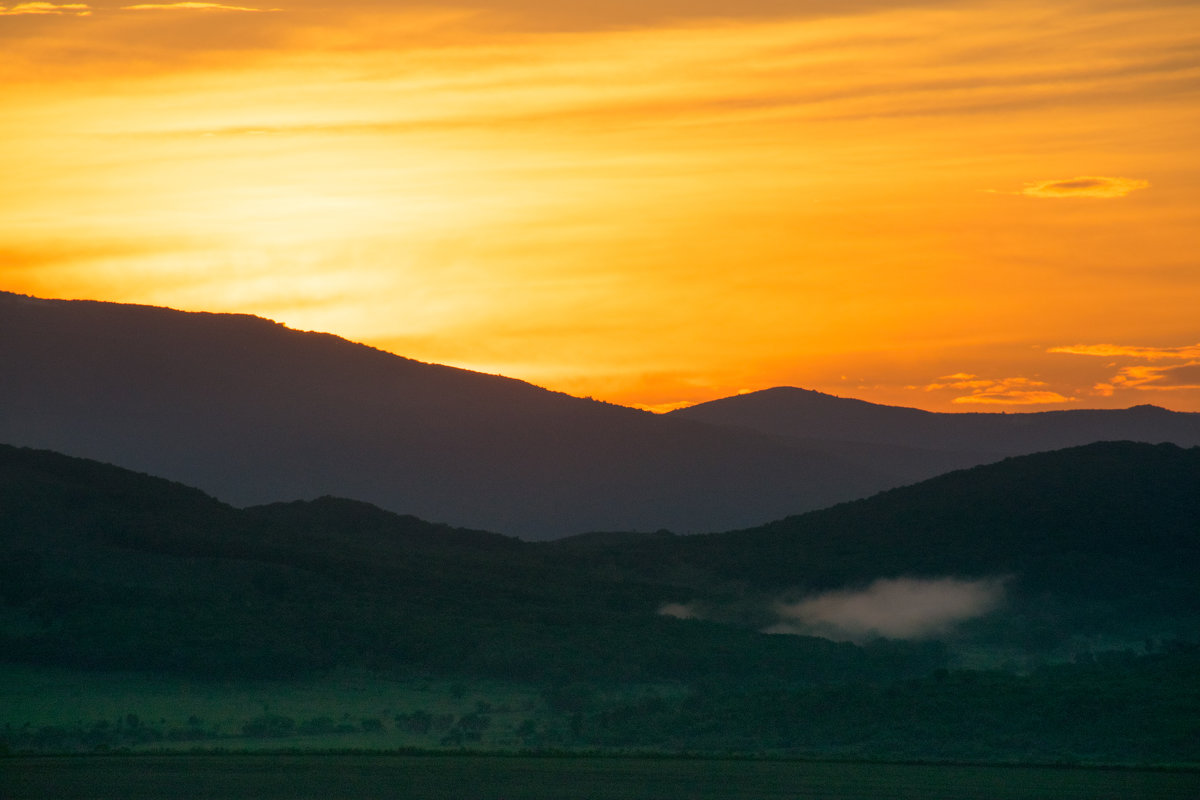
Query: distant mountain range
{"x": 253, "y": 412}
{"x": 805, "y": 414}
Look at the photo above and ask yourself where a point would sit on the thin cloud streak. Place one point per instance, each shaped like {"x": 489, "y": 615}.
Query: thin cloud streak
{"x": 192, "y": 7}
{"x": 1089, "y": 186}
{"x": 46, "y": 9}
{"x": 1134, "y": 351}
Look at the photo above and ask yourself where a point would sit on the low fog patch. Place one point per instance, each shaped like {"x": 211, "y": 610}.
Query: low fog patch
{"x": 891, "y": 608}
{"x": 681, "y": 611}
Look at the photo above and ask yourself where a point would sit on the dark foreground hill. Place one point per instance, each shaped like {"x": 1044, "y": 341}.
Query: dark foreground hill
{"x": 253, "y": 412}
{"x": 1094, "y": 548}
{"x": 1099, "y": 540}
{"x": 103, "y": 568}
{"x": 1037, "y": 554}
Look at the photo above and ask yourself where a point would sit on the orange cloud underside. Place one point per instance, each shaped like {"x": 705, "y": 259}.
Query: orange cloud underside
{"x": 653, "y": 213}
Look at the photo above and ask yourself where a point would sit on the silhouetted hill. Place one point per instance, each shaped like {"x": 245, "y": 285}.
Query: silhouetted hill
{"x": 1097, "y": 540}
{"x": 102, "y": 568}
{"x": 1096, "y": 549}
{"x": 253, "y": 412}
{"x": 805, "y": 414}
{"x": 1088, "y": 539}
{"x": 1132, "y": 502}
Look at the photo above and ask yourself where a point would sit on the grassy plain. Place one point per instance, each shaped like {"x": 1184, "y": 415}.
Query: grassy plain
{"x": 59, "y": 709}
{"x": 298, "y": 777}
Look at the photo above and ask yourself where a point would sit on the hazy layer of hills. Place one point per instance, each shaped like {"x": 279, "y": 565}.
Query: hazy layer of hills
{"x": 253, "y": 412}
{"x": 805, "y": 414}
{"x": 1078, "y": 571}
{"x": 1038, "y": 554}
{"x": 104, "y": 568}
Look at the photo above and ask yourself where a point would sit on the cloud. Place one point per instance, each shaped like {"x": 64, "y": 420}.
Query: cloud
{"x": 1088, "y": 186}
{"x": 57, "y": 9}
{"x": 1116, "y": 350}
{"x": 84, "y": 10}
{"x": 1154, "y": 376}
{"x": 1006, "y": 391}
{"x": 894, "y": 608}
{"x": 192, "y": 7}
{"x": 1014, "y": 397}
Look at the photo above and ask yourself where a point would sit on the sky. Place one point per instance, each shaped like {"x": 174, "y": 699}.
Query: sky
{"x": 951, "y": 205}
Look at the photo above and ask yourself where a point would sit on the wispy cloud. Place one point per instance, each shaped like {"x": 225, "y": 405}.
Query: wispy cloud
{"x": 1014, "y": 397}
{"x": 1131, "y": 351}
{"x": 84, "y": 10}
{"x": 1087, "y": 186}
{"x": 894, "y": 608}
{"x": 192, "y": 7}
{"x": 55, "y": 9}
{"x": 1155, "y": 376}
{"x": 1004, "y": 391}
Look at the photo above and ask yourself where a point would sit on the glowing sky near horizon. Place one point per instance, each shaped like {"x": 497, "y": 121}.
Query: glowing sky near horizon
{"x": 949, "y": 205}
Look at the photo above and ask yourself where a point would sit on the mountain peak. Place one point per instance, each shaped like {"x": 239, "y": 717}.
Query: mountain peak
{"x": 254, "y": 412}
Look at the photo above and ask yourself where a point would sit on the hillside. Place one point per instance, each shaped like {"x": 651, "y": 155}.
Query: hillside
{"x": 253, "y": 412}
{"x": 1087, "y": 559}
{"x": 108, "y": 569}
{"x": 1102, "y": 539}
{"x": 1045, "y": 551}
{"x": 805, "y": 414}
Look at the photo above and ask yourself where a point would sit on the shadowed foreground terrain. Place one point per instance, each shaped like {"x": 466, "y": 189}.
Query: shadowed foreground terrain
{"x": 1076, "y": 641}
{"x": 296, "y": 777}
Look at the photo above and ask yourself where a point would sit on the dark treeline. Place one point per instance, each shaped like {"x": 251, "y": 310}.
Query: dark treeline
{"x": 115, "y": 570}
{"x": 104, "y": 569}
{"x": 1120, "y": 708}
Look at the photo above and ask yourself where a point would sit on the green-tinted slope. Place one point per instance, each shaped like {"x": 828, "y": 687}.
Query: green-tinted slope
{"x": 1133, "y": 507}
{"x": 1102, "y": 537}
{"x": 110, "y": 569}
{"x": 105, "y": 569}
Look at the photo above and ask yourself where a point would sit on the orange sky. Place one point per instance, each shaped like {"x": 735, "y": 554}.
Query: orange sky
{"x": 949, "y": 205}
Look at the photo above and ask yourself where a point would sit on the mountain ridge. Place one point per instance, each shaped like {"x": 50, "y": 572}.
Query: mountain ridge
{"x": 805, "y": 413}
{"x": 254, "y": 412}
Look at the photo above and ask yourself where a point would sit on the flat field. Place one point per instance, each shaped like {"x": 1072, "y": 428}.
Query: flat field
{"x": 51, "y": 710}
{"x": 298, "y": 777}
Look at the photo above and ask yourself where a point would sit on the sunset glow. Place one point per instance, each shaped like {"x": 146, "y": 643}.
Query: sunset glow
{"x": 957, "y": 206}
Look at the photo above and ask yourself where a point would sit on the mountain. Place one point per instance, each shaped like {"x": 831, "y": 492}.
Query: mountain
{"x": 1102, "y": 539}
{"x": 104, "y": 568}
{"x": 253, "y": 412}
{"x": 805, "y": 414}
